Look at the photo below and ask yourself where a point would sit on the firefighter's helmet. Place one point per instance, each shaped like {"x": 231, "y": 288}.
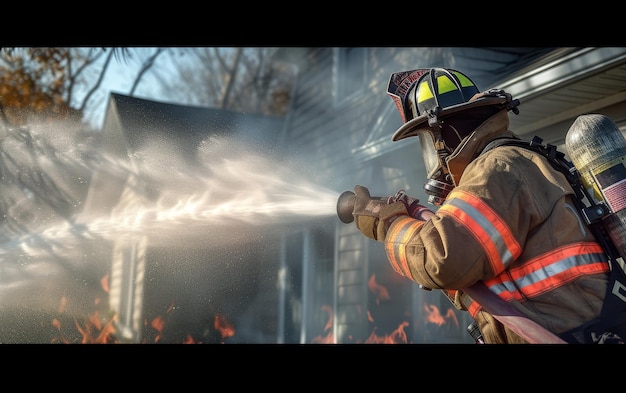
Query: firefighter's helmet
{"x": 425, "y": 96}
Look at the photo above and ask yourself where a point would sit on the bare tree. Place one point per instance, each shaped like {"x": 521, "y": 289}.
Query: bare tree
{"x": 240, "y": 79}
{"x": 230, "y": 73}
{"x": 145, "y": 67}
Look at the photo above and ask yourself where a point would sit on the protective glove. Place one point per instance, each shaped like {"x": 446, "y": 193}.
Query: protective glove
{"x": 413, "y": 207}
{"x": 374, "y": 216}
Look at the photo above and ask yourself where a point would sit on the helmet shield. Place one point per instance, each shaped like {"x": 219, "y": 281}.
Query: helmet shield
{"x": 429, "y": 154}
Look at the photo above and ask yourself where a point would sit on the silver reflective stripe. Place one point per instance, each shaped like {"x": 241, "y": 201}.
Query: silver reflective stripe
{"x": 546, "y": 272}
{"x": 487, "y": 226}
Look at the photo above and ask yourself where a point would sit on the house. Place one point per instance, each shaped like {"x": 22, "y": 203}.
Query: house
{"x": 171, "y": 261}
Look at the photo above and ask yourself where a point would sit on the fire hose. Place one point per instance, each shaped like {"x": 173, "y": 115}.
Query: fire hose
{"x": 490, "y": 302}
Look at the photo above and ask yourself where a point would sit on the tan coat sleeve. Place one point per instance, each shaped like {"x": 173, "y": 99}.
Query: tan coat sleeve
{"x": 443, "y": 253}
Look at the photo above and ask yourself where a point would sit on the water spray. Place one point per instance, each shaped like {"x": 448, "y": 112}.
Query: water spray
{"x": 217, "y": 200}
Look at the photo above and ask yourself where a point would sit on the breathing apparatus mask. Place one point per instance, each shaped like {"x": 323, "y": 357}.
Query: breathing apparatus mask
{"x": 434, "y": 153}
{"x": 428, "y": 100}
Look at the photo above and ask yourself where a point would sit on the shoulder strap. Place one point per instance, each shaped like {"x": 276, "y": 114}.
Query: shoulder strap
{"x": 555, "y": 157}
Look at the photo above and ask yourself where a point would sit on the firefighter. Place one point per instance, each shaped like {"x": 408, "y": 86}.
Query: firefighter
{"x": 504, "y": 215}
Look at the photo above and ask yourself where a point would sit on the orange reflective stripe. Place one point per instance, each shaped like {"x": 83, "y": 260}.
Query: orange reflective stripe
{"x": 474, "y": 308}
{"x": 549, "y": 271}
{"x": 489, "y": 229}
{"x": 400, "y": 232}
{"x": 470, "y": 304}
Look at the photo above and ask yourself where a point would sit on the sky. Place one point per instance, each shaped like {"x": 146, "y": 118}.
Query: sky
{"x": 119, "y": 78}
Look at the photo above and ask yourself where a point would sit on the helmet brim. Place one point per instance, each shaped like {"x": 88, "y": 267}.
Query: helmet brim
{"x": 411, "y": 127}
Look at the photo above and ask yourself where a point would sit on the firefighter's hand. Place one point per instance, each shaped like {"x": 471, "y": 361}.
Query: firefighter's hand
{"x": 373, "y": 217}
{"x": 413, "y": 206}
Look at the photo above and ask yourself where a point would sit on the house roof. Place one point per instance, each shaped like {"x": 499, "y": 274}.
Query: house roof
{"x": 141, "y": 120}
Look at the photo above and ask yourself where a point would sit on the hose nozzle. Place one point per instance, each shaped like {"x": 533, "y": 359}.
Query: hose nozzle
{"x": 345, "y": 206}
{"x": 347, "y": 199}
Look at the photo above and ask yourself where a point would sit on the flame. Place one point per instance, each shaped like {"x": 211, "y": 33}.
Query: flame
{"x": 96, "y": 329}
{"x": 434, "y": 316}
{"x": 158, "y": 324}
{"x": 62, "y": 304}
{"x": 104, "y": 283}
{"x": 379, "y": 291}
{"x": 96, "y": 332}
{"x": 398, "y": 336}
{"x": 329, "y": 338}
{"x": 223, "y": 326}
{"x": 56, "y": 323}
{"x": 92, "y": 331}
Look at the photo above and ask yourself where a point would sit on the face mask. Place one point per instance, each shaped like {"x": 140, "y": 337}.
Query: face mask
{"x": 434, "y": 153}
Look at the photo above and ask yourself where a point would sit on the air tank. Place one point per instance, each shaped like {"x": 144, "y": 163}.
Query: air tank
{"x": 597, "y": 148}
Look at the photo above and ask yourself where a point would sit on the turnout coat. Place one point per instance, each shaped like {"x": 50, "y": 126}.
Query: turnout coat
{"x": 511, "y": 223}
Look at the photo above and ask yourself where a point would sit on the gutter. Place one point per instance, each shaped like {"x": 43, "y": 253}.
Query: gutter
{"x": 542, "y": 79}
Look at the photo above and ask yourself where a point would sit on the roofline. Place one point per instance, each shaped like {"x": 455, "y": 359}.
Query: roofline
{"x": 541, "y": 79}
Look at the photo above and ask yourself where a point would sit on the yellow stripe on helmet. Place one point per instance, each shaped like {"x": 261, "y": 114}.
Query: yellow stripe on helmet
{"x": 465, "y": 81}
{"x": 423, "y": 92}
{"x": 445, "y": 84}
